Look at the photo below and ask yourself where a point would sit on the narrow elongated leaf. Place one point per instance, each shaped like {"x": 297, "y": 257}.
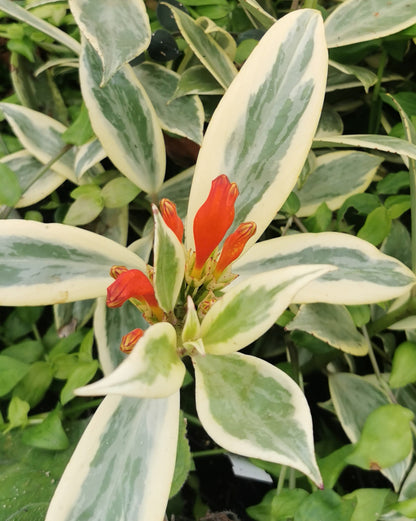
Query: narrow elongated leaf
{"x": 337, "y": 176}
{"x": 124, "y": 121}
{"x": 110, "y": 325}
{"x": 364, "y": 75}
{"x": 183, "y": 116}
{"x": 360, "y": 20}
{"x": 261, "y": 131}
{"x": 87, "y": 156}
{"x": 152, "y": 370}
{"x": 123, "y": 465}
{"x": 238, "y": 423}
{"x": 390, "y": 144}
{"x": 332, "y": 324}
{"x": 17, "y": 12}
{"x": 41, "y": 136}
{"x": 364, "y": 274}
{"x": 118, "y": 31}
{"x": 169, "y": 264}
{"x": 256, "y": 10}
{"x": 27, "y": 169}
{"x": 53, "y": 263}
{"x": 206, "y": 48}
{"x": 250, "y": 308}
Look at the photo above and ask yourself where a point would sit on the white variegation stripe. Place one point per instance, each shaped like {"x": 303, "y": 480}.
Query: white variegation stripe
{"x": 255, "y": 9}
{"x": 364, "y": 274}
{"x": 87, "y": 156}
{"x": 183, "y": 116}
{"x": 118, "y": 31}
{"x": 123, "y": 465}
{"x": 41, "y": 136}
{"x": 110, "y": 325}
{"x": 261, "y": 131}
{"x": 55, "y": 263}
{"x": 251, "y": 408}
{"x": 26, "y": 168}
{"x": 169, "y": 264}
{"x": 251, "y": 307}
{"x": 152, "y": 370}
{"x": 361, "y": 20}
{"x": 124, "y": 121}
{"x": 336, "y": 176}
{"x": 17, "y": 12}
{"x": 205, "y": 48}
{"x": 394, "y": 145}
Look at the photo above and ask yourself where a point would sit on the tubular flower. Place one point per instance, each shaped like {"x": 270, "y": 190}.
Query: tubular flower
{"x": 130, "y": 284}
{"x": 130, "y": 340}
{"x": 213, "y": 219}
{"x": 234, "y": 245}
{"x": 171, "y": 217}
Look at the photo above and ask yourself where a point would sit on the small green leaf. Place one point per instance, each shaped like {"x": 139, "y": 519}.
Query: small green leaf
{"x": 17, "y": 412}
{"x": 331, "y": 466}
{"x": 403, "y": 371}
{"x": 370, "y": 503}
{"x": 184, "y": 461}
{"x": 10, "y": 191}
{"x": 320, "y": 220}
{"x": 27, "y": 351}
{"x": 84, "y": 209}
{"x": 376, "y": 226}
{"x": 80, "y": 132}
{"x": 325, "y": 505}
{"x": 11, "y": 372}
{"x": 192, "y": 327}
{"x": 35, "y": 383}
{"x": 82, "y": 374}
{"x": 386, "y": 438}
{"x": 48, "y": 435}
{"x": 119, "y": 192}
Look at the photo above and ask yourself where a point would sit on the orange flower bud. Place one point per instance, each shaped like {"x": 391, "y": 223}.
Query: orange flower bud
{"x": 171, "y": 217}
{"x": 213, "y": 219}
{"x": 115, "y": 271}
{"x": 131, "y": 284}
{"x": 130, "y": 340}
{"x": 234, "y": 245}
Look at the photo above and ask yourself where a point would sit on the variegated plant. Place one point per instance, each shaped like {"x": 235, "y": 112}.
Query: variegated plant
{"x": 205, "y": 299}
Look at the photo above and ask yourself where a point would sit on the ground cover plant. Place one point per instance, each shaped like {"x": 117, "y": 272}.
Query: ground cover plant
{"x": 218, "y": 200}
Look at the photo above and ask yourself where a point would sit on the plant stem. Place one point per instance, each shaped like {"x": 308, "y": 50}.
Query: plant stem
{"x": 205, "y": 453}
{"x": 406, "y": 309}
{"x": 375, "y": 109}
{"x": 281, "y": 481}
{"x": 192, "y": 419}
{"x": 311, "y": 4}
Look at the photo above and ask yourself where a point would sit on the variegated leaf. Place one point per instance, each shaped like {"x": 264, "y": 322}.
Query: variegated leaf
{"x": 34, "y": 187}
{"x": 261, "y": 131}
{"x": 118, "y": 31}
{"x": 256, "y": 10}
{"x": 17, "y": 12}
{"x": 124, "y": 121}
{"x": 331, "y": 324}
{"x": 197, "y": 80}
{"x": 54, "y": 263}
{"x": 169, "y": 264}
{"x": 251, "y": 408}
{"x": 337, "y": 176}
{"x": 390, "y": 144}
{"x": 205, "y": 48}
{"x": 41, "y": 136}
{"x": 360, "y": 20}
{"x": 177, "y": 189}
{"x": 250, "y": 308}
{"x": 87, "y": 156}
{"x": 110, "y": 325}
{"x": 152, "y": 370}
{"x": 123, "y": 465}
{"x": 364, "y": 274}
{"x": 366, "y": 77}
{"x": 354, "y": 398}
{"x": 183, "y": 116}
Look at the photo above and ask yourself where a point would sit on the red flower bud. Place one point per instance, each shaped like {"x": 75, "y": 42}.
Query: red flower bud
{"x": 131, "y": 284}
{"x": 130, "y": 340}
{"x": 234, "y": 245}
{"x": 213, "y": 219}
{"x": 171, "y": 217}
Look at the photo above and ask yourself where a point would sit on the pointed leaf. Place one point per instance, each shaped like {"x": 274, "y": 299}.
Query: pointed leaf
{"x": 232, "y": 394}
{"x": 169, "y": 264}
{"x": 53, "y": 263}
{"x": 27, "y": 169}
{"x": 205, "y": 48}
{"x": 360, "y": 20}
{"x": 127, "y": 24}
{"x": 123, "y": 465}
{"x": 41, "y": 136}
{"x": 332, "y": 324}
{"x": 337, "y": 176}
{"x": 152, "y": 370}
{"x": 183, "y": 116}
{"x": 261, "y": 132}
{"x": 124, "y": 121}
{"x": 87, "y": 156}
{"x": 364, "y": 274}
{"x": 250, "y": 308}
